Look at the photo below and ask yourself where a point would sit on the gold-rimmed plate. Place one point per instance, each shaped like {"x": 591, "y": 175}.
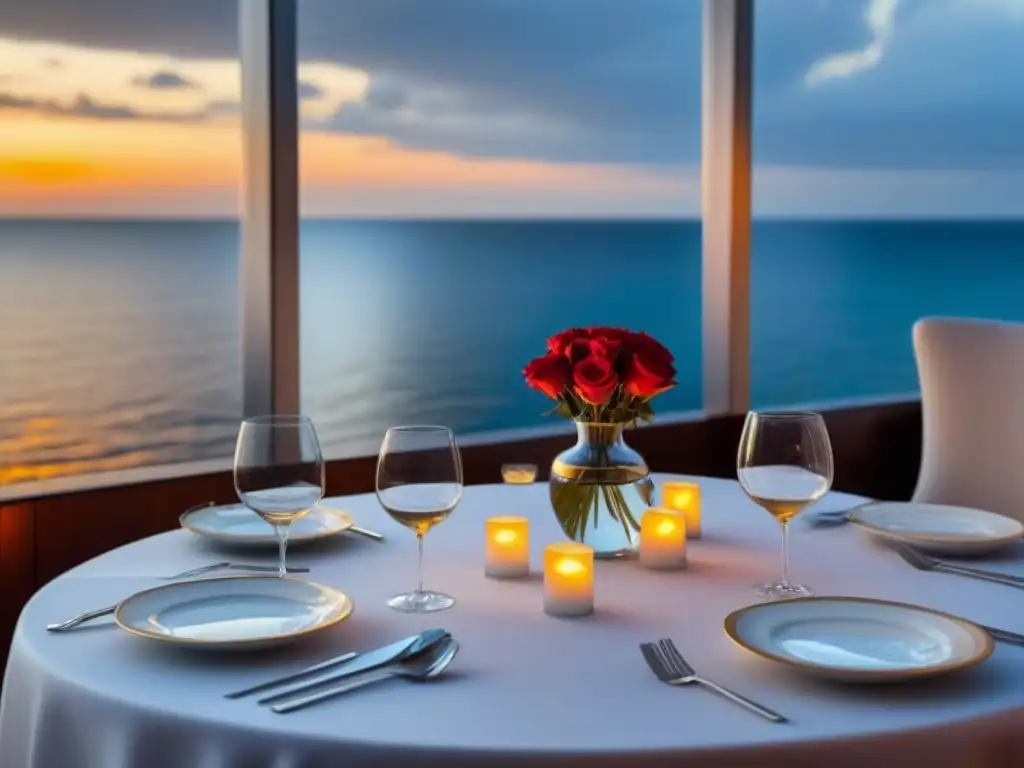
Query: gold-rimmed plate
{"x": 857, "y": 639}
{"x": 938, "y": 528}
{"x": 232, "y": 613}
{"x": 238, "y": 525}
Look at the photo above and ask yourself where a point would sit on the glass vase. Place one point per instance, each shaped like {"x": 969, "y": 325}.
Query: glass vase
{"x": 600, "y": 488}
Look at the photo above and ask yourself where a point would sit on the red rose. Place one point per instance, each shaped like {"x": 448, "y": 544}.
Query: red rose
{"x": 549, "y": 374}
{"x": 651, "y": 348}
{"x": 559, "y": 343}
{"x": 648, "y": 373}
{"x": 595, "y": 380}
{"x": 603, "y": 339}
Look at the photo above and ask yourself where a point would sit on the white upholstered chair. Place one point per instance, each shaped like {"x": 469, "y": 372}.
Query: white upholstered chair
{"x": 972, "y": 392}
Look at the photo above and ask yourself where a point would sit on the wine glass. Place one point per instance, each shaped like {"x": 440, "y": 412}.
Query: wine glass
{"x": 785, "y": 465}
{"x": 279, "y": 472}
{"x": 419, "y": 482}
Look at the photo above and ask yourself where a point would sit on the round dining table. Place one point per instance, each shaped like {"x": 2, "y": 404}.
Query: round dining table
{"x": 526, "y": 688}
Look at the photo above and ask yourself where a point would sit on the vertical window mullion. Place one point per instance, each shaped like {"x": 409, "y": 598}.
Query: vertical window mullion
{"x": 269, "y": 266}
{"x": 726, "y": 215}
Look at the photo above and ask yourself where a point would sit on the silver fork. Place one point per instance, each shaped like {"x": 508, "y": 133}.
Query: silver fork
{"x": 234, "y": 567}
{"x": 924, "y": 562}
{"x": 670, "y": 667}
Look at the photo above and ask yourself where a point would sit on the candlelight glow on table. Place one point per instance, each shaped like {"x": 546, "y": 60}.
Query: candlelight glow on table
{"x": 507, "y": 550}
{"x": 685, "y": 498}
{"x": 519, "y": 474}
{"x": 568, "y": 579}
{"x": 663, "y": 538}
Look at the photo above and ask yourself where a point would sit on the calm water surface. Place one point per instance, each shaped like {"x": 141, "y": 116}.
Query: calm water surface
{"x": 120, "y": 340}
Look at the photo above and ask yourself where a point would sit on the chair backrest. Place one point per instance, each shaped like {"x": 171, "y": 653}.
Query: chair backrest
{"x": 972, "y": 393}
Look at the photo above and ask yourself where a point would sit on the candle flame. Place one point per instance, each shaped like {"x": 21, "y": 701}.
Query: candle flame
{"x": 683, "y": 498}
{"x": 568, "y": 567}
{"x": 505, "y": 536}
{"x": 666, "y": 528}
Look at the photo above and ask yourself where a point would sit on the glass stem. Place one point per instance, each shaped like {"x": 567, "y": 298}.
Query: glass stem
{"x": 419, "y": 544}
{"x": 282, "y": 547}
{"x": 785, "y": 553}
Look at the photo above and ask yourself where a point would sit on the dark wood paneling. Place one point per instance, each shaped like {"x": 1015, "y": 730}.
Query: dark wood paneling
{"x": 877, "y": 450}
{"x": 73, "y": 528}
{"x": 17, "y": 568}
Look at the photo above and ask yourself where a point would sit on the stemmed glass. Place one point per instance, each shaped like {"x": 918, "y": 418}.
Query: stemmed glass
{"x": 419, "y": 482}
{"x": 279, "y": 472}
{"x": 784, "y": 464}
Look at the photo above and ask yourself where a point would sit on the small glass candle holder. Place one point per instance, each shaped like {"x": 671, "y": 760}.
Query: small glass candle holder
{"x": 507, "y": 549}
{"x": 685, "y": 498}
{"x": 568, "y": 579}
{"x": 518, "y": 474}
{"x": 663, "y": 539}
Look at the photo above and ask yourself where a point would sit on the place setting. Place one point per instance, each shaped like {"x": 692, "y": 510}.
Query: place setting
{"x": 279, "y": 478}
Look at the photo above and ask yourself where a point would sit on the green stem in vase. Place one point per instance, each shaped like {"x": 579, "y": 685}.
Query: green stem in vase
{"x": 613, "y": 498}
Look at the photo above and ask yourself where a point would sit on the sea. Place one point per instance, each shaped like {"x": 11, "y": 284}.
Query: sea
{"x": 120, "y": 340}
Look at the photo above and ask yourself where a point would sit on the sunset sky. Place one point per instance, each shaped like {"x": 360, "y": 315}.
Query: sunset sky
{"x": 527, "y": 108}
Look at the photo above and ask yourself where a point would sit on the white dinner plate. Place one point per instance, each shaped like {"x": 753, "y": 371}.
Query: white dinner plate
{"x": 239, "y": 525}
{"x": 938, "y": 528}
{"x": 232, "y": 613}
{"x": 859, "y": 640}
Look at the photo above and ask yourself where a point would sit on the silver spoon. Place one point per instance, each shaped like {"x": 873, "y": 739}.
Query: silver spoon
{"x": 423, "y": 666}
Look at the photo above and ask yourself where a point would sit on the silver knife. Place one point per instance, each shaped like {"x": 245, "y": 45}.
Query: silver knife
{"x": 331, "y": 662}
{"x": 392, "y": 650}
{"x": 1004, "y": 635}
{"x": 362, "y": 663}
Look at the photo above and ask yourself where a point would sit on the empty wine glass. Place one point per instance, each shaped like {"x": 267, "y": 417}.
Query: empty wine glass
{"x": 419, "y": 482}
{"x": 784, "y": 464}
{"x": 279, "y": 472}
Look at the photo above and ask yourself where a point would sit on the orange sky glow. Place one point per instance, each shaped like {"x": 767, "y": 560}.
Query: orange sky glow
{"x": 170, "y": 156}
{"x": 63, "y": 166}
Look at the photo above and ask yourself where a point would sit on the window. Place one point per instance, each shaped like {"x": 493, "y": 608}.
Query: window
{"x": 477, "y": 176}
{"x": 888, "y": 185}
{"x": 119, "y": 171}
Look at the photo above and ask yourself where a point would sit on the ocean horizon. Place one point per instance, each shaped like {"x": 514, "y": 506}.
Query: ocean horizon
{"x": 122, "y": 345}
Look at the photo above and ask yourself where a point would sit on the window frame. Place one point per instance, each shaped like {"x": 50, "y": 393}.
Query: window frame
{"x": 269, "y": 270}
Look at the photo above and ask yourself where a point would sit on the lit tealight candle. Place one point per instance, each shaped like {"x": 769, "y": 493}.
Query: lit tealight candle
{"x": 568, "y": 579}
{"x": 663, "y": 538}
{"x": 507, "y": 552}
{"x": 685, "y": 498}
{"x": 518, "y": 474}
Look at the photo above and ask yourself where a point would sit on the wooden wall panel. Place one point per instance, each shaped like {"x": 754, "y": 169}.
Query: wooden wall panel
{"x": 71, "y": 529}
{"x": 17, "y": 568}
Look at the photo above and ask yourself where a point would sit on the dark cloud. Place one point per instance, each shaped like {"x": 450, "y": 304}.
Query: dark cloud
{"x": 606, "y": 80}
{"x": 184, "y": 27}
{"x": 84, "y": 106}
{"x": 166, "y": 80}
{"x": 10, "y": 101}
{"x": 618, "y": 80}
{"x": 309, "y": 91}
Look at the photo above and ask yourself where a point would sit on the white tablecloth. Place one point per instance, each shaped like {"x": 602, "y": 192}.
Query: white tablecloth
{"x": 525, "y": 685}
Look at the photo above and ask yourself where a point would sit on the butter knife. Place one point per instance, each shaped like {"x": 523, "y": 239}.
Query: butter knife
{"x": 363, "y": 663}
